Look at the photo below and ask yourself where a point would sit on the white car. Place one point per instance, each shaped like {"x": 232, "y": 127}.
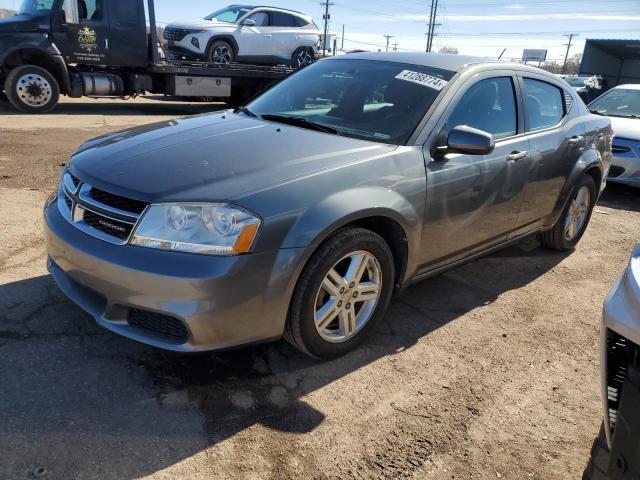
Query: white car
{"x": 241, "y": 33}
{"x": 622, "y": 105}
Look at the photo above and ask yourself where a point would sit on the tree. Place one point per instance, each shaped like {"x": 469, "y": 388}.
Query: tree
{"x": 452, "y": 50}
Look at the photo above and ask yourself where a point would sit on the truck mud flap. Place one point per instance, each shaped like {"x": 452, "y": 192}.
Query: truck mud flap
{"x": 624, "y": 462}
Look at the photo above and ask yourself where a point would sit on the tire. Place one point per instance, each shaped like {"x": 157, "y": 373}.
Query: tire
{"x": 301, "y": 330}
{"x": 599, "y": 459}
{"x": 32, "y": 89}
{"x": 558, "y": 237}
{"x": 302, "y": 57}
{"x": 221, "y": 52}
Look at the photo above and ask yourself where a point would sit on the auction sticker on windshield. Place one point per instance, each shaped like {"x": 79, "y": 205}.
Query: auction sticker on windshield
{"x": 422, "y": 79}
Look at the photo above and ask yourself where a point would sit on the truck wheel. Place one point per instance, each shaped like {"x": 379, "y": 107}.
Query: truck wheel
{"x": 32, "y": 89}
{"x": 344, "y": 290}
{"x": 220, "y": 52}
{"x": 599, "y": 459}
{"x": 566, "y": 234}
{"x": 302, "y": 57}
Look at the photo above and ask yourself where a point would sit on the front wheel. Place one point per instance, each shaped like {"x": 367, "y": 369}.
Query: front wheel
{"x": 302, "y": 57}
{"x": 342, "y": 293}
{"x": 220, "y": 52}
{"x": 571, "y": 226}
{"x": 32, "y": 89}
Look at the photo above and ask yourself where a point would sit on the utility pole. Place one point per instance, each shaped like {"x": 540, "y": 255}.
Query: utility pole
{"x": 342, "y": 47}
{"x": 388, "y": 37}
{"x": 395, "y": 47}
{"x": 566, "y": 55}
{"x": 326, "y": 4}
{"x": 432, "y": 24}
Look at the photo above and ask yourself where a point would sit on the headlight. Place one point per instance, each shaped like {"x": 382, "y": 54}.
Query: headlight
{"x": 210, "y": 229}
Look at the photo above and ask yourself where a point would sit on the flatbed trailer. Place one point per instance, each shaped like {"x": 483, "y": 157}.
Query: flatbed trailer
{"x": 113, "y": 53}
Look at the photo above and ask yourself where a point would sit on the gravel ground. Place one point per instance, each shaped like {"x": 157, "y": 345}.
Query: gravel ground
{"x": 488, "y": 371}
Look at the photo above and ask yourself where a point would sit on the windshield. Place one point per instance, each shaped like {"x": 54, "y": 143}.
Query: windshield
{"x": 372, "y": 100}
{"x": 576, "y": 81}
{"x": 35, "y": 7}
{"x": 619, "y": 102}
{"x": 228, "y": 15}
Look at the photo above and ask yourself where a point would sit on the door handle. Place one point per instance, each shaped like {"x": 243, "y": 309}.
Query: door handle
{"x": 517, "y": 156}
{"x": 576, "y": 140}
{"x": 268, "y": 35}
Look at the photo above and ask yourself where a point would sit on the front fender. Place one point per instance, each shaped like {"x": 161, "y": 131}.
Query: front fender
{"x": 26, "y": 41}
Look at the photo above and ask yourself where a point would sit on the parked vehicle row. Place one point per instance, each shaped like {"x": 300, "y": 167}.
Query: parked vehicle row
{"x": 339, "y": 186}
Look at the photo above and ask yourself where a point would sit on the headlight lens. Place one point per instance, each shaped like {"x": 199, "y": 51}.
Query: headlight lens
{"x": 210, "y": 229}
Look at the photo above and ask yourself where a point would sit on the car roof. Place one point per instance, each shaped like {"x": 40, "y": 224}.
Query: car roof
{"x": 254, "y": 7}
{"x": 628, "y": 86}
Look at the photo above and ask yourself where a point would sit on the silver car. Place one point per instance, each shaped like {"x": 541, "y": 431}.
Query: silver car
{"x": 622, "y": 105}
{"x": 615, "y": 453}
{"x": 301, "y": 214}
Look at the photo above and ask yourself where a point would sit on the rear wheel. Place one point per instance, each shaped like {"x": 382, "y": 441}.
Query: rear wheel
{"x": 342, "y": 293}
{"x": 571, "y": 226}
{"x": 220, "y": 52}
{"x": 302, "y": 57}
{"x": 32, "y": 89}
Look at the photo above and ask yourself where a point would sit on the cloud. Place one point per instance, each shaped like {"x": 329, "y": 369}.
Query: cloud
{"x": 515, "y": 6}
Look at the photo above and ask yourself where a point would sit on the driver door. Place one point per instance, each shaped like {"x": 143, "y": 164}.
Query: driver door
{"x": 81, "y": 32}
{"x": 473, "y": 200}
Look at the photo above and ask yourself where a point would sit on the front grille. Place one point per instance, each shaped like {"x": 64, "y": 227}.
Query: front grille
{"x": 116, "y": 201}
{"x": 621, "y": 353}
{"x": 158, "y": 324}
{"x": 616, "y": 171}
{"x": 106, "y": 225}
{"x": 75, "y": 180}
{"x": 68, "y": 201}
{"x": 175, "y": 34}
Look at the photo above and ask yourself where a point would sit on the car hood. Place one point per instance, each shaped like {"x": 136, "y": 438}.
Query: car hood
{"x": 212, "y": 157}
{"x": 201, "y": 25}
{"x": 626, "y": 127}
{"x": 20, "y": 23}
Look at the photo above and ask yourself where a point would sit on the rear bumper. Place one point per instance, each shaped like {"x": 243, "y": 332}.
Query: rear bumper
{"x": 221, "y": 301}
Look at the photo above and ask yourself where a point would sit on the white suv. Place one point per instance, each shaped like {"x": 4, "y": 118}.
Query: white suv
{"x": 241, "y": 33}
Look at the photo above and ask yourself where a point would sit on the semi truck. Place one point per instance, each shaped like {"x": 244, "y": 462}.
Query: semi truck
{"x": 108, "y": 48}
{"x": 616, "y": 61}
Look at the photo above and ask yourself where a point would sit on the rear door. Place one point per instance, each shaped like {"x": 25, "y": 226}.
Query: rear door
{"x": 473, "y": 200}
{"x": 557, "y": 140}
{"x": 286, "y": 34}
{"x": 128, "y": 43}
{"x": 81, "y": 32}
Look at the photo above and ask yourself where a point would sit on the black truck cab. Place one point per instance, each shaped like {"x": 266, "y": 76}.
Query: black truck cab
{"x": 102, "y": 48}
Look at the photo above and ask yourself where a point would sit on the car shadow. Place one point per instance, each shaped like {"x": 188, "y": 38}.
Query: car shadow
{"x": 152, "y": 105}
{"x": 621, "y": 197}
{"x": 129, "y": 410}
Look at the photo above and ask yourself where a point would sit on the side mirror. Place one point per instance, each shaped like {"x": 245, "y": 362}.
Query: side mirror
{"x": 247, "y": 22}
{"x": 464, "y": 139}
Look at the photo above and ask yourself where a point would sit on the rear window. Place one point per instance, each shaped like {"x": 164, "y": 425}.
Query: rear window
{"x": 544, "y": 104}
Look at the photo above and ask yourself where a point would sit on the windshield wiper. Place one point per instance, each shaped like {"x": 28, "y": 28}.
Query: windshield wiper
{"x": 246, "y": 111}
{"x": 300, "y": 122}
{"x": 596, "y": 112}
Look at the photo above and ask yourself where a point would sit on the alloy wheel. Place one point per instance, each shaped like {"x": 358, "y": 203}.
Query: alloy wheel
{"x": 348, "y": 296}
{"x": 304, "y": 58}
{"x": 577, "y": 214}
{"x": 222, "y": 54}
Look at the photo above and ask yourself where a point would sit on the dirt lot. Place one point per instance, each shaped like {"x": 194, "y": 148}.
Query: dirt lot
{"x": 489, "y": 371}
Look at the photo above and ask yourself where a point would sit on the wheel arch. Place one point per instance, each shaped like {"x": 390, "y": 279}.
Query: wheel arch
{"x": 39, "y": 57}
{"x": 227, "y": 38}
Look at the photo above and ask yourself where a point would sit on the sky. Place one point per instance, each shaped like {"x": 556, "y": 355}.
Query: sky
{"x": 474, "y": 27}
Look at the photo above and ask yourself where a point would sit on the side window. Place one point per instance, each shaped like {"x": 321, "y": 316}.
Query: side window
{"x": 279, "y": 19}
{"x": 90, "y": 9}
{"x": 300, "y": 22}
{"x": 544, "y": 104}
{"x": 488, "y": 105}
{"x": 261, "y": 19}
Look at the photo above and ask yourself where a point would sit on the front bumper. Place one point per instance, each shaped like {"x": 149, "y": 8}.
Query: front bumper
{"x": 620, "y": 338}
{"x": 625, "y": 166}
{"x": 222, "y": 301}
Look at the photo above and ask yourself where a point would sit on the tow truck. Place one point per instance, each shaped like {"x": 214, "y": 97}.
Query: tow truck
{"x": 108, "y": 48}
